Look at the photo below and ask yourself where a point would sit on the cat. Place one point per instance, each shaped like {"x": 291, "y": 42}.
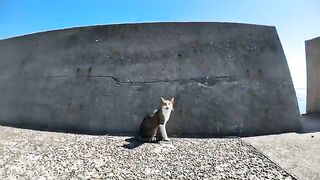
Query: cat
{"x": 148, "y": 131}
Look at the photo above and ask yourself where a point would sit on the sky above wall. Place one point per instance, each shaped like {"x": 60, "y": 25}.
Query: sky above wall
{"x": 295, "y": 20}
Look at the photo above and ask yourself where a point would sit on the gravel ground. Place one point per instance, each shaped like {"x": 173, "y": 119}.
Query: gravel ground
{"x": 27, "y": 154}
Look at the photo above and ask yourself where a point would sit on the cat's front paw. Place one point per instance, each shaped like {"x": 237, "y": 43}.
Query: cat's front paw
{"x": 166, "y": 139}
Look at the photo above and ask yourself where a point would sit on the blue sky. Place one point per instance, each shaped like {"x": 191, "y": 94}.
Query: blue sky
{"x": 295, "y": 20}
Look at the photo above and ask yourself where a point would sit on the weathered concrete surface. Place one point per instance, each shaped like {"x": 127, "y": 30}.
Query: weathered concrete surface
{"x": 28, "y": 154}
{"x": 313, "y": 75}
{"x": 298, "y": 154}
{"x": 227, "y": 79}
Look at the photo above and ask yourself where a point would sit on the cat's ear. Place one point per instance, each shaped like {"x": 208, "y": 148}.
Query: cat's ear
{"x": 172, "y": 100}
{"x": 162, "y": 99}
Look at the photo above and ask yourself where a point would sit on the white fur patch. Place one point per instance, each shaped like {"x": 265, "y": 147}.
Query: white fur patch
{"x": 166, "y": 114}
{"x": 154, "y": 111}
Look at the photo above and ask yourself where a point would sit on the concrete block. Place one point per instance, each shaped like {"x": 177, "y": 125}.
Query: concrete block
{"x": 227, "y": 79}
{"x": 313, "y": 75}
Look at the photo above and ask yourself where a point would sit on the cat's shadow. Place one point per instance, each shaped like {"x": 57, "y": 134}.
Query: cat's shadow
{"x": 132, "y": 143}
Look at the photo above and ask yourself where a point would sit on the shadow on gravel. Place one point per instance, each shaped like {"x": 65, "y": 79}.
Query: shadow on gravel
{"x": 133, "y": 143}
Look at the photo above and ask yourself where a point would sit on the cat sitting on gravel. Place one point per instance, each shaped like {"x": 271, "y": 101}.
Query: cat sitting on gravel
{"x": 157, "y": 120}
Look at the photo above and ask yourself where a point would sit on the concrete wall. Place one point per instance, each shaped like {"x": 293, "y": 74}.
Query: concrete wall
{"x": 228, "y": 79}
{"x": 313, "y": 75}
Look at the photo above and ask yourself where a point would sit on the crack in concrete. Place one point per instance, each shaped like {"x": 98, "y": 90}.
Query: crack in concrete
{"x": 106, "y": 76}
{"x": 207, "y": 81}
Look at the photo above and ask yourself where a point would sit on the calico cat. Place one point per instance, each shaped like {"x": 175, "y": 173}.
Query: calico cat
{"x": 151, "y": 123}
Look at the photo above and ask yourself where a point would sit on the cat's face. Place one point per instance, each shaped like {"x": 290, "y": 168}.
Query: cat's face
{"x": 167, "y": 104}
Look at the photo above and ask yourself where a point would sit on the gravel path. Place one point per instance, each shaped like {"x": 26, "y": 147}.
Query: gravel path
{"x": 27, "y": 154}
